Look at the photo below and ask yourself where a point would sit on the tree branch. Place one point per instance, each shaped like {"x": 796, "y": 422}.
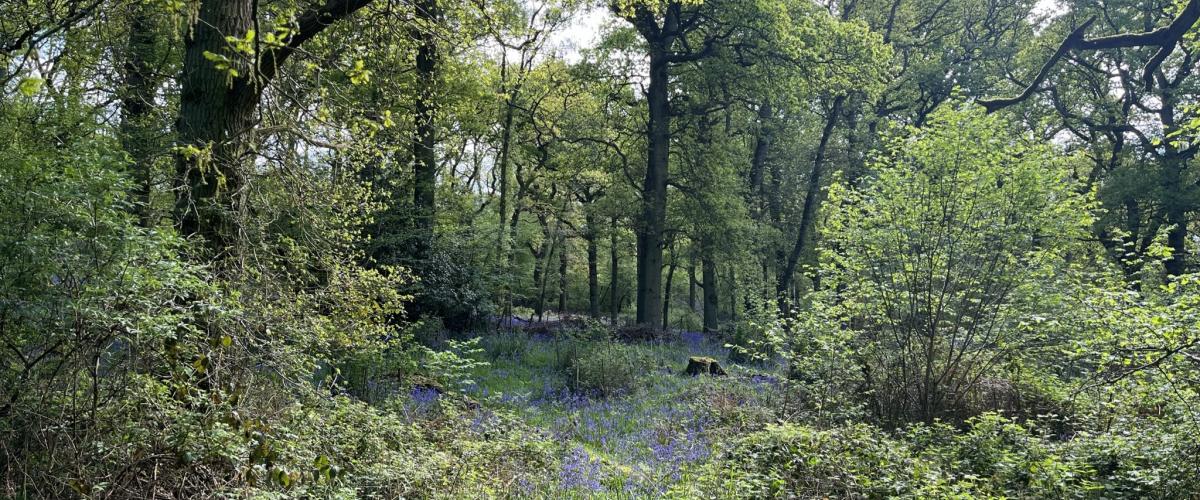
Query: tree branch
{"x": 310, "y": 24}
{"x": 1166, "y": 38}
{"x": 1064, "y": 48}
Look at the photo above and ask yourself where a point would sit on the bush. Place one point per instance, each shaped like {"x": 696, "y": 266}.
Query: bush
{"x": 960, "y": 208}
{"x": 505, "y": 345}
{"x": 1156, "y": 461}
{"x": 605, "y": 368}
{"x": 998, "y": 456}
{"x": 750, "y": 337}
{"x": 993, "y": 457}
{"x": 347, "y": 449}
{"x": 790, "y": 461}
{"x": 135, "y": 369}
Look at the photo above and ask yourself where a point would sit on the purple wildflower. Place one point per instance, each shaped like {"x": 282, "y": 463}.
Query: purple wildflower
{"x": 425, "y": 396}
{"x": 693, "y": 340}
{"x": 580, "y": 471}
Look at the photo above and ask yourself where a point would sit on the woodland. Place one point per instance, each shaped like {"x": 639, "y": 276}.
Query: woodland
{"x": 599, "y": 249}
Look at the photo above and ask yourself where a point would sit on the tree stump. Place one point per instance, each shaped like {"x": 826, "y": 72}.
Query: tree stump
{"x": 701, "y": 365}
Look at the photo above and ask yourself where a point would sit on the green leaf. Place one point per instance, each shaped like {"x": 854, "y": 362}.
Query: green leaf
{"x": 30, "y": 85}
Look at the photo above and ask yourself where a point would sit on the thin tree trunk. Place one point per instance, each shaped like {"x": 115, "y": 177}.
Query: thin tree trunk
{"x": 593, "y": 257}
{"x": 733, "y": 291}
{"x": 540, "y": 258}
{"x": 762, "y": 145}
{"x": 562, "y": 275}
{"x": 615, "y": 303}
{"x": 505, "y": 178}
{"x": 708, "y": 273}
{"x": 504, "y": 232}
{"x": 812, "y": 201}
{"x": 692, "y": 284}
{"x": 513, "y": 222}
{"x": 666, "y": 307}
{"x": 541, "y": 298}
{"x": 766, "y": 277}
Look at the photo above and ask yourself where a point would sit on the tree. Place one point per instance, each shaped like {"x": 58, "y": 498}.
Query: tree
{"x": 140, "y": 128}
{"x": 661, "y": 25}
{"x": 1165, "y": 38}
{"x": 227, "y": 65}
{"x": 1121, "y": 117}
{"x": 424, "y": 142}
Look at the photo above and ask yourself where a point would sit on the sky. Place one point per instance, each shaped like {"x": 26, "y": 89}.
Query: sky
{"x": 582, "y": 32}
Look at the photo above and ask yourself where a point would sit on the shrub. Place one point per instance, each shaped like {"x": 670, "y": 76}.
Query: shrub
{"x": 943, "y": 261}
{"x": 605, "y": 368}
{"x": 750, "y": 337}
{"x": 999, "y": 456}
{"x": 993, "y": 457}
{"x": 347, "y": 449}
{"x": 505, "y": 345}
{"x": 132, "y": 371}
{"x": 790, "y": 461}
{"x": 1154, "y": 461}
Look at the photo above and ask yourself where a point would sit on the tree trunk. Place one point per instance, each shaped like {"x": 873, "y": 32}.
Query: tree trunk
{"x": 762, "y": 145}
{"x": 654, "y": 192}
{"x": 138, "y": 131}
{"x": 766, "y": 276}
{"x": 505, "y": 233}
{"x": 217, "y": 111}
{"x": 425, "y": 125}
{"x": 593, "y": 257}
{"x": 502, "y": 241}
{"x": 1178, "y": 193}
{"x": 513, "y": 222}
{"x": 215, "y": 125}
{"x": 733, "y": 291}
{"x": 538, "y": 262}
{"x": 812, "y": 202}
{"x": 541, "y": 294}
{"x": 692, "y": 284}
{"x": 666, "y": 306}
{"x": 615, "y": 303}
{"x": 562, "y": 275}
{"x": 540, "y": 258}
{"x": 708, "y": 271}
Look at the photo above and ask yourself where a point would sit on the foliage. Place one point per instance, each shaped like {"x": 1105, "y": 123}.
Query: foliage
{"x": 262, "y": 249}
{"x": 993, "y": 457}
{"x": 169, "y": 374}
{"x": 786, "y": 460}
{"x": 941, "y": 259}
{"x": 750, "y": 337}
{"x": 1138, "y": 349}
{"x": 605, "y": 368}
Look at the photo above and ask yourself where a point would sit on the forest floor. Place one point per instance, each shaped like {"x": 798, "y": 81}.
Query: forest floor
{"x": 632, "y": 421}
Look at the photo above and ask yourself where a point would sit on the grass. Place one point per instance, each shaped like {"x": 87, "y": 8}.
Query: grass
{"x": 637, "y": 442}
